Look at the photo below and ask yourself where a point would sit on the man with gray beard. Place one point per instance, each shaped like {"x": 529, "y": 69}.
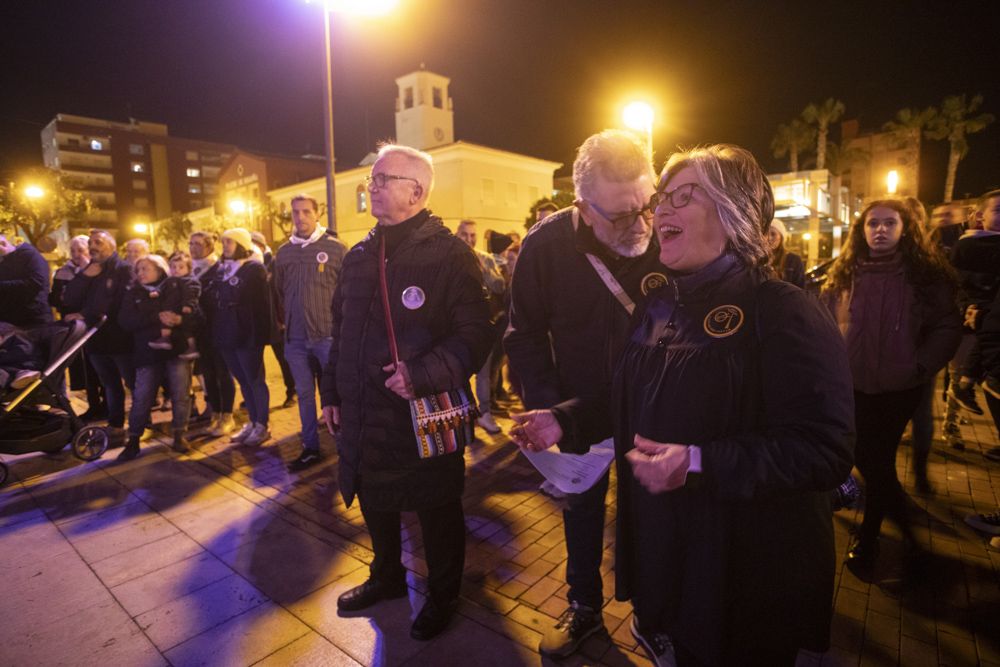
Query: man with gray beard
{"x": 578, "y": 276}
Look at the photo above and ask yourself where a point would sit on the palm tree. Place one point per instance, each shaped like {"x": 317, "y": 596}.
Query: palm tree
{"x": 840, "y": 158}
{"x": 953, "y": 122}
{"x": 904, "y": 130}
{"x": 821, "y": 116}
{"x": 792, "y": 139}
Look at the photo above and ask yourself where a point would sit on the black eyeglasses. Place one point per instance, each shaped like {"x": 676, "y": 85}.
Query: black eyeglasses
{"x": 380, "y": 180}
{"x": 679, "y": 197}
{"x": 625, "y": 220}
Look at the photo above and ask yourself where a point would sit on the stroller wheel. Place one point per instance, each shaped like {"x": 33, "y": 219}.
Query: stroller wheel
{"x": 90, "y": 443}
{"x": 3, "y": 473}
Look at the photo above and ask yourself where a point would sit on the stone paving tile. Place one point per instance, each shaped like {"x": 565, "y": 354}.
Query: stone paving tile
{"x": 98, "y": 546}
{"x": 150, "y": 557}
{"x": 169, "y": 583}
{"x": 179, "y": 620}
{"x": 99, "y": 635}
{"x": 242, "y": 640}
{"x": 380, "y": 634}
{"x": 310, "y": 650}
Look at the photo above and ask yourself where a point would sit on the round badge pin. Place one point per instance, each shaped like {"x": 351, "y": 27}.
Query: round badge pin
{"x": 322, "y": 257}
{"x": 413, "y": 297}
{"x": 723, "y": 321}
{"x": 652, "y": 281}
{"x": 234, "y": 281}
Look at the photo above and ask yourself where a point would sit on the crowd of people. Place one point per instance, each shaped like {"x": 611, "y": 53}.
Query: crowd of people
{"x": 661, "y": 315}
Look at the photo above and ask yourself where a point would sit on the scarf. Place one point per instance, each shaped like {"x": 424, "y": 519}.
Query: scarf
{"x": 200, "y": 266}
{"x": 230, "y": 267}
{"x": 316, "y": 236}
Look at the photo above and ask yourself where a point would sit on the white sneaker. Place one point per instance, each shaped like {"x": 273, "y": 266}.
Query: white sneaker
{"x": 244, "y": 433}
{"x": 224, "y": 425}
{"x": 488, "y": 424}
{"x": 257, "y": 436}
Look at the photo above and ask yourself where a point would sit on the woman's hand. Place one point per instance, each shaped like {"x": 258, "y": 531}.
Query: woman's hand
{"x": 399, "y": 381}
{"x": 659, "y": 466}
{"x": 536, "y": 430}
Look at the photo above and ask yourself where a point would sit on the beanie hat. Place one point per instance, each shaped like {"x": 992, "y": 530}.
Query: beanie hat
{"x": 241, "y": 236}
{"x": 158, "y": 261}
{"x": 497, "y": 243}
{"x": 780, "y": 226}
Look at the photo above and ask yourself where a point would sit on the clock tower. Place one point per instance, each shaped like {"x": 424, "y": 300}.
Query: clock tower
{"x": 424, "y": 116}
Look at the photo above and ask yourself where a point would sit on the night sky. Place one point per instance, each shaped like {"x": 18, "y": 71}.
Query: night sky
{"x": 532, "y": 76}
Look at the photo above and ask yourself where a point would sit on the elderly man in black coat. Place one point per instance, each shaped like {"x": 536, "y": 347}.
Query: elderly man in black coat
{"x": 437, "y": 303}
{"x": 24, "y": 285}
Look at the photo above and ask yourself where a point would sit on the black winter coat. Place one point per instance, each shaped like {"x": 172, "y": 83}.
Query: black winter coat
{"x": 755, "y": 373}
{"x": 566, "y": 327}
{"x": 24, "y": 288}
{"x": 241, "y": 314}
{"x": 140, "y": 316}
{"x": 95, "y": 296}
{"x": 443, "y": 342}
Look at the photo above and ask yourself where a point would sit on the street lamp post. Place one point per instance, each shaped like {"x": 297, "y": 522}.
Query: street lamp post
{"x": 360, "y": 7}
{"x": 331, "y": 195}
{"x": 638, "y": 116}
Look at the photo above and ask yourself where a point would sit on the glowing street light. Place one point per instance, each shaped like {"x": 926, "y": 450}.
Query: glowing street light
{"x": 892, "y": 182}
{"x": 358, "y": 8}
{"x": 237, "y": 206}
{"x": 141, "y": 228}
{"x": 638, "y": 116}
{"x": 34, "y": 192}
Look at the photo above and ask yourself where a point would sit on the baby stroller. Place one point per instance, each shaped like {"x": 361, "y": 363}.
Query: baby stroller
{"x": 38, "y": 418}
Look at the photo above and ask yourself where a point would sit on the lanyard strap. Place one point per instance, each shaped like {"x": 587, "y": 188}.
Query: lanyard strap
{"x": 609, "y": 281}
{"x": 385, "y": 301}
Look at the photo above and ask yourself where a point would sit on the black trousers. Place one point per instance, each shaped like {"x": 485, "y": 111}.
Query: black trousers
{"x": 880, "y": 420}
{"x": 443, "y": 529}
{"x": 583, "y": 522}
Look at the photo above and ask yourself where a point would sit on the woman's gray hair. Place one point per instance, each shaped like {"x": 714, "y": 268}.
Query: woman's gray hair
{"x": 618, "y": 156}
{"x": 423, "y": 162}
{"x": 741, "y": 192}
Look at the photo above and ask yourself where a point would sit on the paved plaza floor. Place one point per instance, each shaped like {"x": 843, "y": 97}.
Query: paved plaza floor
{"x": 223, "y": 557}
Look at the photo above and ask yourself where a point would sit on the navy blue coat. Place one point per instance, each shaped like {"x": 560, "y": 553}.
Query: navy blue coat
{"x": 241, "y": 313}
{"x": 95, "y": 296}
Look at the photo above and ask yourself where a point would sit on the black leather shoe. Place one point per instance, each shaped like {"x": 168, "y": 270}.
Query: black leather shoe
{"x": 367, "y": 594}
{"x": 861, "y": 559}
{"x": 432, "y": 620}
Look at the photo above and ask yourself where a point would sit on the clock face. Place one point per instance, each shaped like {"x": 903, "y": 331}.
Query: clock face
{"x": 439, "y": 134}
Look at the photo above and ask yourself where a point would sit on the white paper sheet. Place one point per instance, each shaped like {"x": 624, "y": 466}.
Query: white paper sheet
{"x": 574, "y": 473}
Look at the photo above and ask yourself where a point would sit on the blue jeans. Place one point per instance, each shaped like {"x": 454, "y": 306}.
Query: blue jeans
{"x": 247, "y": 366}
{"x": 583, "y": 522}
{"x": 147, "y": 383}
{"x": 303, "y": 356}
{"x": 111, "y": 370}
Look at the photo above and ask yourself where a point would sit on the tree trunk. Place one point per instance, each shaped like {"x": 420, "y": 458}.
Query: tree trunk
{"x": 821, "y": 147}
{"x": 793, "y": 158}
{"x": 949, "y": 183}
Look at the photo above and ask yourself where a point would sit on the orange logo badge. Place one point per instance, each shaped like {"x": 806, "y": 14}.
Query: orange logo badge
{"x": 723, "y": 321}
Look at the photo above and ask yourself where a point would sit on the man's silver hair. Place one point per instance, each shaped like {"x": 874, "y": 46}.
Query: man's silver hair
{"x": 143, "y": 242}
{"x": 82, "y": 238}
{"x": 421, "y": 160}
{"x": 618, "y": 156}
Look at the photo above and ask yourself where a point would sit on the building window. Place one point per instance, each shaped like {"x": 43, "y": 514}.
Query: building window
{"x": 138, "y": 168}
{"x": 437, "y": 98}
{"x": 138, "y": 184}
{"x": 96, "y": 145}
{"x": 488, "y": 191}
{"x": 208, "y": 189}
{"x": 194, "y": 189}
{"x": 191, "y": 155}
{"x": 72, "y": 141}
{"x": 141, "y": 202}
{"x": 408, "y": 98}
{"x": 136, "y": 149}
{"x": 196, "y": 203}
{"x": 362, "y": 198}
{"x": 193, "y": 172}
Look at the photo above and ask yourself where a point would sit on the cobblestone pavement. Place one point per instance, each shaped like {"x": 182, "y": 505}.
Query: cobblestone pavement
{"x": 223, "y": 557}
